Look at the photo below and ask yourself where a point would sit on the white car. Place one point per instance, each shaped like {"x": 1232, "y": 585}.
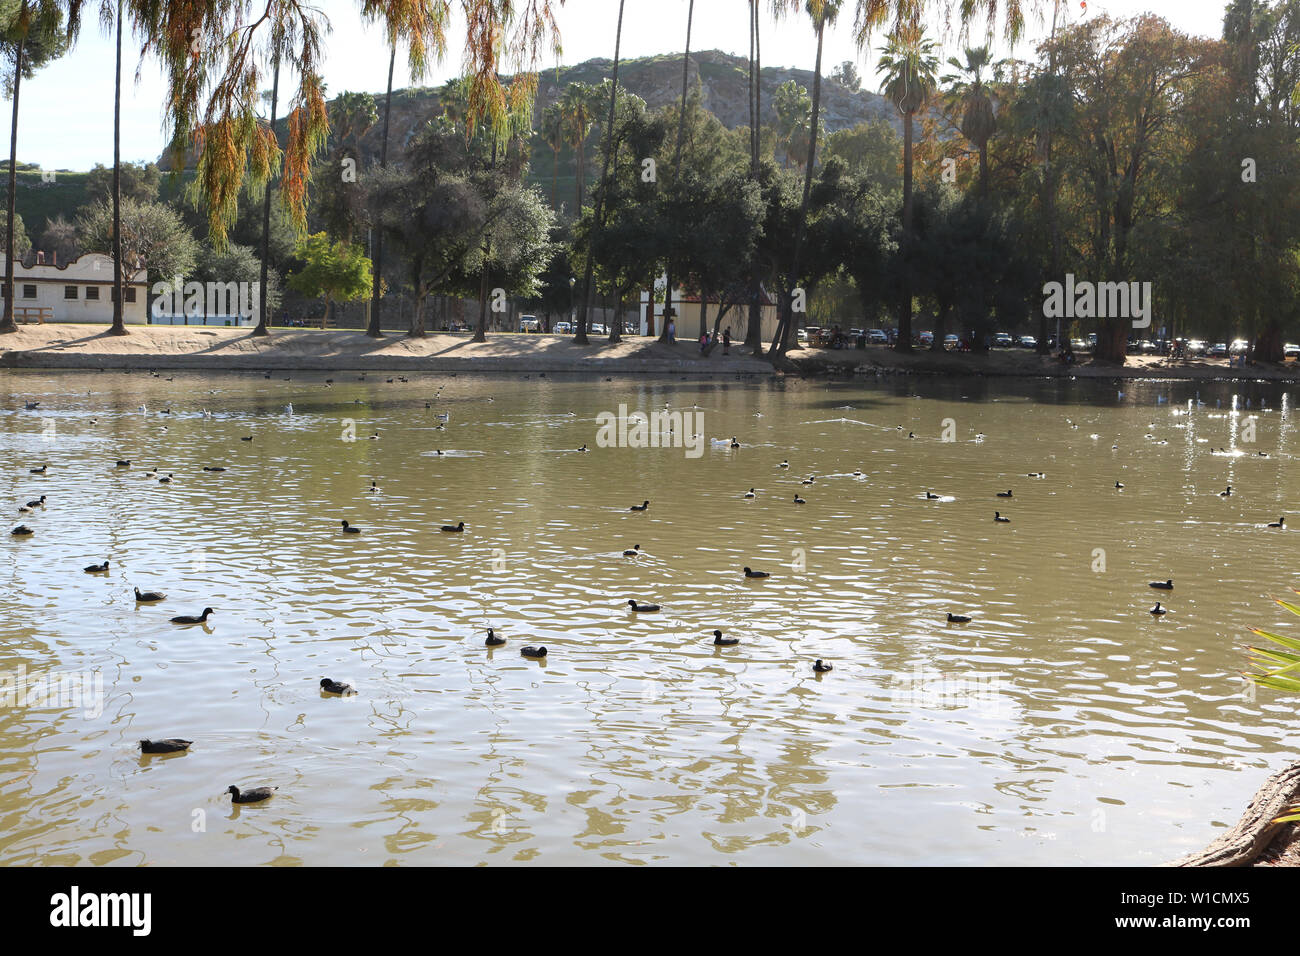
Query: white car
{"x": 1291, "y": 350}
{"x": 563, "y": 328}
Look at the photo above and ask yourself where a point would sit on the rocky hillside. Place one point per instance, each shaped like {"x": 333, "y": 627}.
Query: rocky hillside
{"x": 723, "y": 80}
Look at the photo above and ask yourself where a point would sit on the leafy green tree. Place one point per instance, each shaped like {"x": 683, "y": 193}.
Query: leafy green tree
{"x": 140, "y": 181}
{"x": 153, "y": 237}
{"x": 241, "y": 264}
{"x": 847, "y": 76}
{"x": 22, "y": 244}
{"x": 334, "y": 271}
{"x": 869, "y": 149}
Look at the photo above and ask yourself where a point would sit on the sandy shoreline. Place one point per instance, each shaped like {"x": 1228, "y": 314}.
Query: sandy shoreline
{"x": 68, "y": 346}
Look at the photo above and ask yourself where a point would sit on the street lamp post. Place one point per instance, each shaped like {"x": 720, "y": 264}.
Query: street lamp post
{"x": 573, "y": 312}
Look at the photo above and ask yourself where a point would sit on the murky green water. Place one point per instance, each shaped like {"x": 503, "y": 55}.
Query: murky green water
{"x": 1065, "y": 724}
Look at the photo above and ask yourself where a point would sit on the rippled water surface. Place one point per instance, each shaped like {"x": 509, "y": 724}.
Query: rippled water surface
{"x": 1064, "y": 724}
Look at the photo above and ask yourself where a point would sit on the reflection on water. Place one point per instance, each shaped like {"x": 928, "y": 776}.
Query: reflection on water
{"x": 1063, "y": 724}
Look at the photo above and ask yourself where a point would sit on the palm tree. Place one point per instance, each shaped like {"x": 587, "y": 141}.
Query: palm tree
{"x": 552, "y": 130}
{"x": 422, "y": 24}
{"x": 754, "y": 330}
{"x": 575, "y": 108}
{"x": 969, "y": 96}
{"x": 119, "y": 322}
{"x": 822, "y": 13}
{"x": 34, "y": 37}
{"x": 263, "y": 324}
{"x": 910, "y": 67}
{"x": 677, "y": 158}
{"x": 581, "y": 337}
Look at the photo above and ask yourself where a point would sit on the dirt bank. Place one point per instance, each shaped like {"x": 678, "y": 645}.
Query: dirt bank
{"x": 167, "y": 347}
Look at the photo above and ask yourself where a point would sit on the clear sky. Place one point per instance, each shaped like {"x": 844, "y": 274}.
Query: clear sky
{"x": 66, "y": 112}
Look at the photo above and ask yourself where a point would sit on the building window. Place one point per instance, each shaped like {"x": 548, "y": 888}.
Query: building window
{"x": 92, "y": 292}
{"x": 130, "y": 294}
{"x": 70, "y": 292}
{"x": 29, "y": 292}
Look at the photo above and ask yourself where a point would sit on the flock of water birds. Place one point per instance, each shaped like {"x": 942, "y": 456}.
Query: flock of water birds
{"x": 330, "y": 687}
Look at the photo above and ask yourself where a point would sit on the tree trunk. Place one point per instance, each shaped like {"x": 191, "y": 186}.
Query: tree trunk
{"x": 596, "y": 224}
{"x": 263, "y": 325}
{"x": 8, "y": 324}
{"x": 754, "y": 330}
{"x": 904, "y": 343}
{"x": 677, "y": 153}
{"x": 1256, "y": 834}
{"x": 616, "y": 325}
{"x": 940, "y": 326}
{"x": 555, "y": 176}
{"x": 325, "y": 319}
{"x": 1112, "y": 341}
{"x": 417, "y": 317}
{"x": 1269, "y": 347}
{"x": 785, "y": 328}
{"x": 119, "y": 322}
{"x": 375, "y": 328}
{"x": 480, "y": 330}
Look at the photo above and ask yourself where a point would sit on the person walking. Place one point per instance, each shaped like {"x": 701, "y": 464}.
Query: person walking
{"x": 672, "y": 332}
{"x": 726, "y": 341}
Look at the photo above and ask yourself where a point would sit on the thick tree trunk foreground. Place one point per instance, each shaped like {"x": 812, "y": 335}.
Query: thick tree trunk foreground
{"x": 1257, "y": 840}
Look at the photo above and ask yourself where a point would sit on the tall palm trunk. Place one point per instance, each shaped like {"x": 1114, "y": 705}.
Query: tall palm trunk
{"x": 555, "y": 176}
{"x": 785, "y": 328}
{"x": 596, "y": 224}
{"x": 119, "y": 323}
{"x": 375, "y": 329}
{"x": 677, "y": 156}
{"x": 7, "y": 324}
{"x": 754, "y": 332}
{"x": 904, "y": 343}
{"x": 263, "y": 326}
{"x": 1049, "y": 204}
{"x": 480, "y": 330}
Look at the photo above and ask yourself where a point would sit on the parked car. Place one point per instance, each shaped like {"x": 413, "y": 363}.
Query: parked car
{"x": 1003, "y": 340}
{"x": 1079, "y": 345}
{"x": 950, "y": 342}
{"x": 1218, "y": 350}
{"x": 1196, "y": 347}
{"x": 1238, "y": 346}
{"x": 877, "y": 337}
{"x": 927, "y": 339}
{"x": 598, "y": 328}
{"x": 1291, "y": 350}
{"x": 529, "y": 323}
{"x": 563, "y": 328}
{"x": 1028, "y": 342}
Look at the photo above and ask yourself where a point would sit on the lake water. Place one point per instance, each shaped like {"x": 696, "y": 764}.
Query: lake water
{"x": 1065, "y": 724}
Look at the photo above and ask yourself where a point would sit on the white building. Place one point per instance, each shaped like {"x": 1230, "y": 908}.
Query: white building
{"x": 78, "y": 291}
{"x": 692, "y": 318}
